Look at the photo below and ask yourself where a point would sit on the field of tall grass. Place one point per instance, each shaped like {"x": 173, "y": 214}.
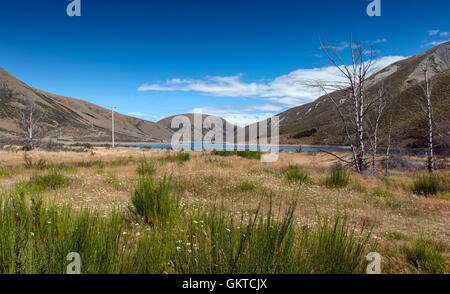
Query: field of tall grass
{"x": 220, "y": 212}
{"x": 160, "y": 235}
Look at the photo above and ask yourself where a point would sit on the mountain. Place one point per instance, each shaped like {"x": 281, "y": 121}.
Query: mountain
{"x": 226, "y": 126}
{"x": 315, "y": 123}
{"x": 77, "y": 120}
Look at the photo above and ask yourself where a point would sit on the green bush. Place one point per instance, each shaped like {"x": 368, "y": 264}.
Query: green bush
{"x": 4, "y": 173}
{"x": 178, "y": 158}
{"x": 119, "y": 163}
{"x": 426, "y": 256}
{"x": 426, "y": 185}
{"x": 145, "y": 167}
{"x": 241, "y": 153}
{"x": 294, "y": 173}
{"x": 153, "y": 200}
{"x": 337, "y": 178}
{"x": 247, "y": 186}
{"x": 52, "y": 180}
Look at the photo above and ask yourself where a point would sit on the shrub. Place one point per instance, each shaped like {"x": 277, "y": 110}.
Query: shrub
{"x": 247, "y": 186}
{"x": 294, "y": 173}
{"x": 145, "y": 167}
{"x": 337, "y": 178}
{"x": 426, "y": 256}
{"x": 4, "y": 172}
{"x": 153, "y": 200}
{"x": 52, "y": 180}
{"x": 426, "y": 185}
{"x": 119, "y": 162}
{"x": 241, "y": 153}
{"x": 179, "y": 158}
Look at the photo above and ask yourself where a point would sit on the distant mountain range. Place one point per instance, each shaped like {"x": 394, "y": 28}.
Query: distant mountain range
{"x": 313, "y": 123}
{"x": 74, "y": 119}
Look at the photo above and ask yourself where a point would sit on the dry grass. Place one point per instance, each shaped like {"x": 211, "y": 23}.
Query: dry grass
{"x": 398, "y": 216}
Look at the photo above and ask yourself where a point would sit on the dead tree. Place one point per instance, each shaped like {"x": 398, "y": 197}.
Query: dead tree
{"x": 374, "y": 123}
{"x": 28, "y": 122}
{"x": 348, "y": 95}
{"x": 429, "y": 112}
{"x": 388, "y": 147}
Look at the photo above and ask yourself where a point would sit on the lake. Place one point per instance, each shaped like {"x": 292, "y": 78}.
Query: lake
{"x": 212, "y": 146}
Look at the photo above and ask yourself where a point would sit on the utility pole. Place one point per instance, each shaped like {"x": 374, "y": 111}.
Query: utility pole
{"x": 112, "y": 122}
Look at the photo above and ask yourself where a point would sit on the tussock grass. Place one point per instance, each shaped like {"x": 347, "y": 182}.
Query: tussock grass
{"x": 426, "y": 256}
{"x": 145, "y": 168}
{"x": 180, "y": 158}
{"x": 295, "y": 174}
{"x": 430, "y": 185}
{"x": 119, "y": 162}
{"x": 244, "y": 154}
{"x": 269, "y": 245}
{"x": 35, "y": 237}
{"x": 152, "y": 200}
{"x": 426, "y": 185}
{"x": 52, "y": 180}
{"x": 247, "y": 186}
{"x": 337, "y": 178}
{"x": 4, "y": 173}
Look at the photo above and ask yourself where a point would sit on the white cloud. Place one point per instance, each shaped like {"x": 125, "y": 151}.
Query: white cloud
{"x": 436, "y": 43}
{"x": 286, "y": 91}
{"x": 444, "y": 34}
{"x": 238, "y": 116}
{"x": 379, "y": 41}
{"x": 433, "y": 32}
{"x": 144, "y": 115}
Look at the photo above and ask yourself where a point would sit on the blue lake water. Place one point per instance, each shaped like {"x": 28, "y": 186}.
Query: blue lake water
{"x": 212, "y": 146}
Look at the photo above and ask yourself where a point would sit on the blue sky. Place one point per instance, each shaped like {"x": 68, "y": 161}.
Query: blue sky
{"x": 238, "y": 59}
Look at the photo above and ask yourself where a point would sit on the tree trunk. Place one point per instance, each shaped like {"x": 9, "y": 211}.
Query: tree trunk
{"x": 430, "y": 153}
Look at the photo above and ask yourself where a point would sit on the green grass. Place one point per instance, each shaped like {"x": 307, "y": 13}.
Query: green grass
{"x": 337, "y": 178}
{"x": 179, "y": 158}
{"x": 244, "y": 154}
{"x": 388, "y": 198}
{"x": 51, "y": 180}
{"x": 145, "y": 168}
{"x": 426, "y": 185}
{"x": 269, "y": 245}
{"x": 119, "y": 162}
{"x": 4, "y": 173}
{"x": 153, "y": 201}
{"x": 247, "y": 186}
{"x": 35, "y": 237}
{"x": 426, "y": 256}
{"x": 294, "y": 173}
{"x": 114, "y": 181}
{"x": 394, "y": 236}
